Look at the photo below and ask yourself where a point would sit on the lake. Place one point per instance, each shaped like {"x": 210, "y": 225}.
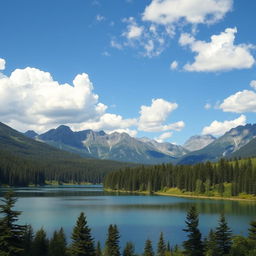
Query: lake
{"x": 138, "y": 217}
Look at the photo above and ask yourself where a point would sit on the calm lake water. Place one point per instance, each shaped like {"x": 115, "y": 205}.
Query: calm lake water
{"x": 138, "y": 217}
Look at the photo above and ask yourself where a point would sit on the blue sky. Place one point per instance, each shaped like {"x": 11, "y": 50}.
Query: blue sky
{"x": 164, "y": 69}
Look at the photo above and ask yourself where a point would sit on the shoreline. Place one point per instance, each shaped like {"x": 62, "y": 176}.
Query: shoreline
{"x": 159, "y": 193}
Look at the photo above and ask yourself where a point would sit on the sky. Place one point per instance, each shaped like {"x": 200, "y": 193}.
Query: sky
{"x": 163, "y": 69}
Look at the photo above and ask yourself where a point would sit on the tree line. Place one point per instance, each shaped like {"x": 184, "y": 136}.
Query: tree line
{"x": 20, "y": 240}
{"x": 224, "y": 177}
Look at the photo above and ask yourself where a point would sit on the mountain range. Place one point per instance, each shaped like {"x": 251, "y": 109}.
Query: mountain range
{"x": 124, "y": 148}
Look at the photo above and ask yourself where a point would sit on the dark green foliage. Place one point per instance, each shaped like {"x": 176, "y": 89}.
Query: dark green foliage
{"x": 193, "y": 246}
{"x": 58, "y": 244}
{"x": 200, "y": 178}
{"x": 27, "y": 240}
{"x": 112, "y": 242}
{"x": 129, "y": 249}
{"x": 252, "y": 231}
{"x": 40, "y": 246}
{"x": 82, "y": 241}
{"x": 148, "y": 249}
{"x": 223, "y": 236}
{"x": 98, "y": 249}
{"x": 161, "y": 246}
{"x": 11, "y": 234}
{"x": 210, "y": 244}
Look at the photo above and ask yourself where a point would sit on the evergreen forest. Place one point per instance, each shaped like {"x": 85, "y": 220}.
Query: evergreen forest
{"x": 226, "y": 178}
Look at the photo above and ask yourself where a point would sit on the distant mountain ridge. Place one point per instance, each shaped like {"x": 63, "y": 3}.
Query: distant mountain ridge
{"x": 224, "y": 146}
{"x": 115, "y": 146}
{"x": 124, "y": 148}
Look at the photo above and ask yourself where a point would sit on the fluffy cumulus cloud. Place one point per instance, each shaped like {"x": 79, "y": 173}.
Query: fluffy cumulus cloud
{"x": 219, "y": 54}
{"x": 217, "y": 128}
{"x": 152, "y": 118}
{"x": 164, "y": 136}
{"x": 32, "y": 97}
{"x": 133, "y": 30}
{"x": 192, "y": 11}
{"x": 240, "y": 102}
{"x": 2, "y": 64}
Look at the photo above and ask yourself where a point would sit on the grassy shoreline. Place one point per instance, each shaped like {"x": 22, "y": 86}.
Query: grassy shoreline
{"x": 161, "y": 193}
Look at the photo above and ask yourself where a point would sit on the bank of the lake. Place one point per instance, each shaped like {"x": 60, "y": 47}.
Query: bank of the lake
{"x": 178, "y": 193}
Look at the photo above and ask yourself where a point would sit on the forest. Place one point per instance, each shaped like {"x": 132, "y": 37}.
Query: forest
{"x": 225, "y": 178}
{"x": 20, "y": 240}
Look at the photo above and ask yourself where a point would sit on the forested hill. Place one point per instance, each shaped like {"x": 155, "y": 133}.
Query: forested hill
{"x": 225, "y": 178}
{"x": 25, "y": 161}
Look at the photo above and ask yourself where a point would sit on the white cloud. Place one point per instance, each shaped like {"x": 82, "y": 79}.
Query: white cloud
{"x": 240, "y": 102}
{"x": 191, "y": 11}
{"x": 2, "y": 64}
{"x": 219, "y": 128}
{"x": 164, "y": 136}
{"x": 174, "y": 65}
{"x": 253, "y": 84}
{"x": 219, "y": 54}
{"x": 115, "y": 44}
{"x": 133, "y": 31}
{"x": 152, "y": 117}
{"x": 31, "y": 97}
{"x": 207, "y": 106}
{"x": 100, "y": 18}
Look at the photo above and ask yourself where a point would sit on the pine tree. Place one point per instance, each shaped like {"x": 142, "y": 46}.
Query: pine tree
{"x": 82, "y": 241}
{"x": 40, "y": 246}
{"x": 161, "y": 246}
{"x": 112, "y": 242}
{"x": 223, "y": 237}
{"x": 27, "y": 241}
{"x": 252, "y": 231}
{"x": 210, "y": 244}
{"x": 98, "y": 249}
{"x": 57, "y": 245}
{"x": 129, "y": 249}
{"x": 11, "y": 234}
{"x": 193, "y": 246}
{"x": 148, "y": 249}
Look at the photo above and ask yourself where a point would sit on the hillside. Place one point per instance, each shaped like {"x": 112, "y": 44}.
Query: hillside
{"x": 24, "y": 160}
{"x": 249, "y": 150}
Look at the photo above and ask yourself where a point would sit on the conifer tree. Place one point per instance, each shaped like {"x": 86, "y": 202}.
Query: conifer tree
{"x": 210, "y": 244}
{"x": 148, "y": 249}
{"x": 11, "y": 234}
{"x": 252, "y": 231}
{"x": 193, "y": 246}
{"x": 40, "y": 246}
{"x": 223, "y": 237}
{"x": 129, "y": 249}
{"x": 161, "y": 246}
{"x": 112, "y": 242}
{"x": 28, "y": 240}
{"x": 98, "y": 249}
{"x": 57, "y": 245}
{"x": 82, "y": 241}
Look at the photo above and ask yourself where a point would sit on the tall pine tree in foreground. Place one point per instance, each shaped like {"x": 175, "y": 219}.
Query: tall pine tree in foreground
{"x": 82, "y": 241}
{"x": 11, "y": 234}
{"x": 57, "y": 246}
{"x": 252, "y": 231}
{"x": 193, "y": 246}
{"x": 40, "y": 246}
{"x": 223, "y": 236}
{"x": 129, "y": 249}
{"x": 148, "y": 249}
{"x": 161, "y": 246}
{"x": 112, "y": 242}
